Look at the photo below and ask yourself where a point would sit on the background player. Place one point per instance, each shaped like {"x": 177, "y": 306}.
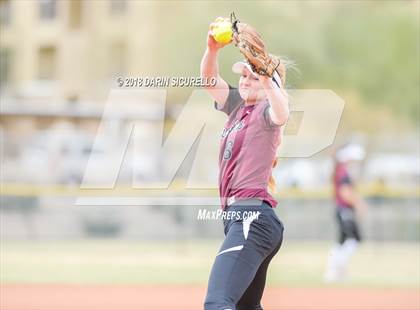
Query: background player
{"x": 347, "y": 201}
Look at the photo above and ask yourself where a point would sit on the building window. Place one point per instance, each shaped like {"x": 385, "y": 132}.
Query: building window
{"x": 47, "y": 9}
{"x": 75, "y": 14}
{"x": 47, "y": 63}
{"x": 5, "y": 12}
{"x": 118, "y": 6}
{"x": 4, "y": 66}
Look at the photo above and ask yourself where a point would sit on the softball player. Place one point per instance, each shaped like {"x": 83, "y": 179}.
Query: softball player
{"x": 346, "y": 200}
{"x": 256, "y": 111}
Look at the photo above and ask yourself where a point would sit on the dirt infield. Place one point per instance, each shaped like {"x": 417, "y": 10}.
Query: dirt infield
{"x": 74, "y": 297}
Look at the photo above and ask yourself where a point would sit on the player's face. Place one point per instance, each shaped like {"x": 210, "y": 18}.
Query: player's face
{"x": 249, "y": 86}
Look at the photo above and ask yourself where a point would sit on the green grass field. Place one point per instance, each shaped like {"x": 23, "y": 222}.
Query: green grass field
{"x": 189, "y": 262}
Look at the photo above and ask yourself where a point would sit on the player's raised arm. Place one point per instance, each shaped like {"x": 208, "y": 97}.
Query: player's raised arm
{"x": 210, "y": 69}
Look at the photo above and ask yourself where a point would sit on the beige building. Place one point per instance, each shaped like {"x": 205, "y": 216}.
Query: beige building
{"x": 59, "y": 61}
{"x": 71, "y": 51}
{"x": 60, "y": 58}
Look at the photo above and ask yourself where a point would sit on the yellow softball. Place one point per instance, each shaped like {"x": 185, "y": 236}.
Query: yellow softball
{"x": 222, "y": 31}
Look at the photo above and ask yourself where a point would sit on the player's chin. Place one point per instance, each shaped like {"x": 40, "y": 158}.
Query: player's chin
{"x": 244, "y": 93}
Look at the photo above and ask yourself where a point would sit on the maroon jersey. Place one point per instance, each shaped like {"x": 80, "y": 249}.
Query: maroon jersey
{"x": 341, "y": 177}
{"x": 247, "y": 150}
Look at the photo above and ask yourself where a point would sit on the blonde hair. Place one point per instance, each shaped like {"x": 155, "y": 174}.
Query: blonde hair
{"x": 286, "y": 64}
{"x": 281, "y": 70}
{"x": 272, "y": 181}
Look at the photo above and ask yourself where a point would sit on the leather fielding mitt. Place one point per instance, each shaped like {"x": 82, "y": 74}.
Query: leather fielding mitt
{"x": 251, "y": 45}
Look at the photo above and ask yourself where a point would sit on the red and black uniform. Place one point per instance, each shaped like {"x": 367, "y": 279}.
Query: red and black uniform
{"x": 347, "y": 224}
{"x": 247, "y": 150}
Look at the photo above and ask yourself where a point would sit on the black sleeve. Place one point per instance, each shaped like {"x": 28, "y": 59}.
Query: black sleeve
{"x": 268, "y": 122}
{"x": 233, "y": 100}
